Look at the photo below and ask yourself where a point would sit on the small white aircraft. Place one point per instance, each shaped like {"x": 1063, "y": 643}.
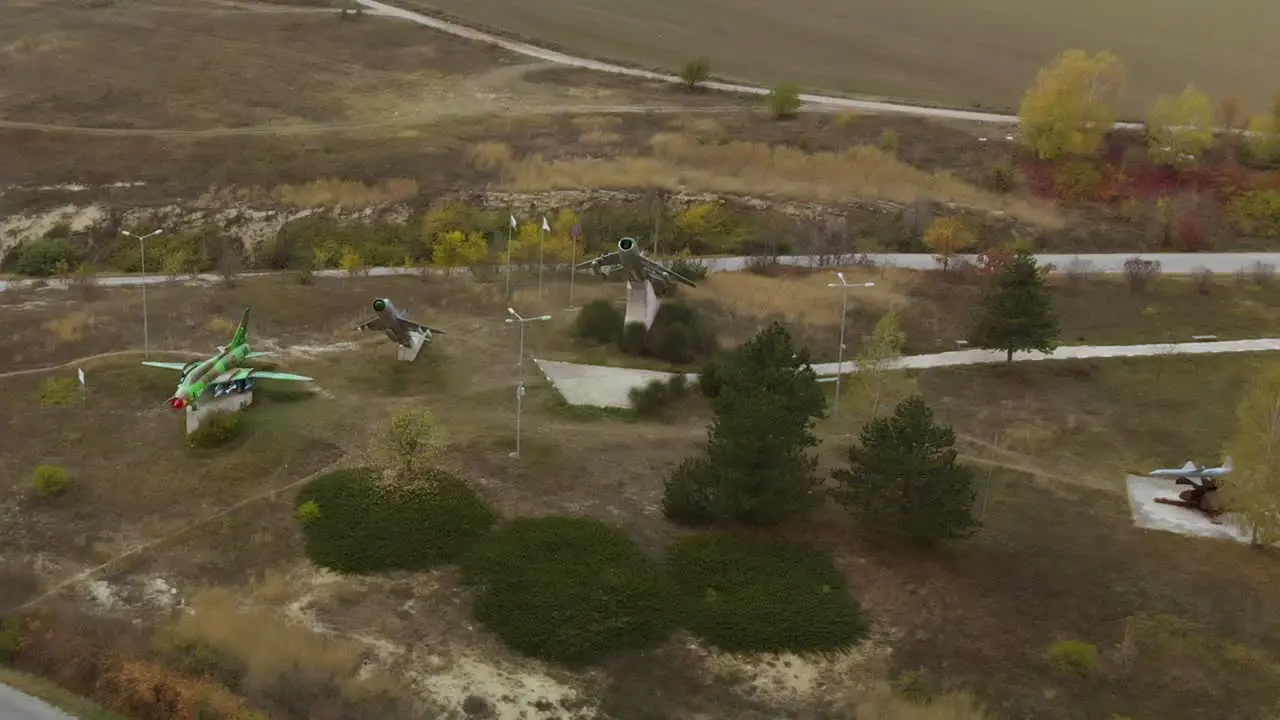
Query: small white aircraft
{"x": 1190, "y": 470}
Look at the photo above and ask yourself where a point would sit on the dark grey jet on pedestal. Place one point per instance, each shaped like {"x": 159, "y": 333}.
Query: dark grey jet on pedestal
{"x": 639, "y": 268}
{"x": 396, "y": 324}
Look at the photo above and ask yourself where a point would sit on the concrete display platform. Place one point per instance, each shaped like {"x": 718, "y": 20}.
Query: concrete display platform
{"x": 231, "y": 402}
{"x": 1151, "y": 515}
{"x": 598, "y": 385}
{"x": 409, "y": 354}
{"x": 642, "y": 304}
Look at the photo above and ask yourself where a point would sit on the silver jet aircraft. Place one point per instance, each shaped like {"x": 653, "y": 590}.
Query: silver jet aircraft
{"x": 1191, "y": 470}
{"x": 396, "y": 324}
{"x": 639, "y": 268}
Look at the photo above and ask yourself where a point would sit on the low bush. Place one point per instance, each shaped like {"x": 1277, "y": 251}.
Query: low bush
{"x": 709, "y": 380}
{"x": 216, "y": 430}
{"x": 659, "y": 397}
{"x": 567, "y": 589}
{"x": 632, "y": 339}
{"x": 599, "y": 321}
{"x": 59, "y": 392}
{"x": 784, "y": 102}
{"x": 695, "y": 72}
{"x": 689, "y": 269}
{"x": 746, "y": 594}
{"x": 10, "y": 639}
{"x": 364, "y": 525}
{"x": 1073, "y": 657}
{"x": 46, "y": 257}
{"x": 49, "y": 481}
{"x": 1141, "y": 274}
{"x": 679, "y": 335}
{"x": 202, "y": 660}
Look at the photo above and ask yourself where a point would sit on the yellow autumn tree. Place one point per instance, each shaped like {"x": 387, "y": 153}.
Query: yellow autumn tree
{"x": 1071, "y": 106}
{"x": 1180, "y": 128}
{"x": 442, "y": 217}
{"x": 456, "y": 249}
{"x": 525, "y": 242}
{"x": 1253, "y": 487}
{"x": 947, "y": 236}
{"x": 559, "y": 242}
{"x": 1263, "y": 141}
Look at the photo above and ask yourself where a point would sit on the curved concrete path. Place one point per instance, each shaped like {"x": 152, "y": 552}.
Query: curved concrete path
{"x": 548, "y": 55}
{"x": 1099, "y": 263}
{"x": 604, "y": 386}
{"x": 15, "y": 705}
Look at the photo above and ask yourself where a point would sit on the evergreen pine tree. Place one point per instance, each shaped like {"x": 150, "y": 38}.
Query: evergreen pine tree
{"x": 903, "y": 480}
{"x": 756, "y": 468}
{"x": 1016, "y": 310}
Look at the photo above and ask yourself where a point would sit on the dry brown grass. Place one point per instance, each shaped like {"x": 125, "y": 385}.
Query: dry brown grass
{"x": 489, "y": 155}
{"x": 219, "y": 325}
{"x": 881, "y": 704}
{"x": 681, "y": 162}
{"x": 591, "y": 123}
{"x": 70, "y": 327}
{"x": 329, "y": 192}
{"x": 269, "y": 645}
{"x": 599, "y": 137}
{"x": 801, "y": 300}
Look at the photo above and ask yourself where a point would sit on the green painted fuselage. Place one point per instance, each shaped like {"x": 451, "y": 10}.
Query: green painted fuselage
{"x": 197, "y": 380}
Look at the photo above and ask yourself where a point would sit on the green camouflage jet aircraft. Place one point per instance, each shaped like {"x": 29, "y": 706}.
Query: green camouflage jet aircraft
{"x": 221, "y": 373}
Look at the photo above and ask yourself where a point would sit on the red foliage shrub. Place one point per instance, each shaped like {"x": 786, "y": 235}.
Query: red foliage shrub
{"x": 992, "y": 260}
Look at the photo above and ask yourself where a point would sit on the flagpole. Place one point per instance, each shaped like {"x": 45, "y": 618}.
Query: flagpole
{"x": 542, "y": 235}
{"x": 510, "y": 226}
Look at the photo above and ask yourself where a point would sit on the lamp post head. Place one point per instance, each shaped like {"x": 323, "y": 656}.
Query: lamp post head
{"x": 542, "y": 317}
{"x": 841, "y": 276}
{"x": 513, "y": 313}
{"x": 868, "y": 284}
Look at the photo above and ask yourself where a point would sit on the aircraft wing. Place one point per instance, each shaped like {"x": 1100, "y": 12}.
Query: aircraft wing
{"x": 603, "y": 261}
{"x": 246, "y": 373}
{"x": 374, "y": 324}
{"x": 419, "y": 327}
{"x": 166, "y": 365}
{"x": 666, "y": 271}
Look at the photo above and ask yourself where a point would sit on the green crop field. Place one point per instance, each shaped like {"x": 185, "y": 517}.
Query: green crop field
{"x": 971, "y": 52}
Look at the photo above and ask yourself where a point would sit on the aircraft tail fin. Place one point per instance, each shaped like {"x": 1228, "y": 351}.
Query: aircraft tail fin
{"x": 1226, "y": 464}
{"x": 242, "y": 331}
{"x": 1189, "y": 467}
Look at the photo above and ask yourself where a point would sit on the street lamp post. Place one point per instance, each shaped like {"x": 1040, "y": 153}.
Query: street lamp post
{"x": 146, "y": 334}
{"x": 515, "y": 319}
{"x": 844, "y": 285}
{"x": 574, "y": 233}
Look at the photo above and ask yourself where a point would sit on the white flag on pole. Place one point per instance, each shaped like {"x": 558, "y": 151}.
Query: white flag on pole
{"x": 513, "y": 222}
{"x": 80, "y": 372}
{"x": 545, "y": 226}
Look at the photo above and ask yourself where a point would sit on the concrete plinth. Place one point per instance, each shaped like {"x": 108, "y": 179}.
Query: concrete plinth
{"x": 231, "y": 402}
{"x": 642, "y": 304}
{"x": 409, "y": 354}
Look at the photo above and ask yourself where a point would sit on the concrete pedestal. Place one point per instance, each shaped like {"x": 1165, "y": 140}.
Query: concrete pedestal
{"x": 231, "y": 402}
{"x": 642, "y": 304}
{"x": 409, "y": 354}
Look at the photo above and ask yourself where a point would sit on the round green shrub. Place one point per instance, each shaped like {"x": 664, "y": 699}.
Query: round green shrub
{"x": 46, "y": 256}
{"x": 366, "y": 526}
{"x": 216, "y": 430}
{"x": 745, "y": 594}
{"x": 598, "y": 321}
{"x": 632, "y": 339}
{"x": 567, "y": 589}
{"x": 49, "y": 481}
{"x": 679, "y": 335}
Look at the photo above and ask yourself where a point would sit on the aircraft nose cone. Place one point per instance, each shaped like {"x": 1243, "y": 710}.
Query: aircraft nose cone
{"x": 379, "y": 305}
{"x": 625, "y": 244}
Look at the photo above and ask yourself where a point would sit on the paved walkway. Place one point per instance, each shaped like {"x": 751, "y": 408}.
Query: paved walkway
{"x": 604, "y": 386}
{"x": 1099, "y": 263}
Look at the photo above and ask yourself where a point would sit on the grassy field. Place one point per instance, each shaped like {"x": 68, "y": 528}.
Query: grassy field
{"x": 920, "y": 50}
{"x": 1058, "y": 558}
